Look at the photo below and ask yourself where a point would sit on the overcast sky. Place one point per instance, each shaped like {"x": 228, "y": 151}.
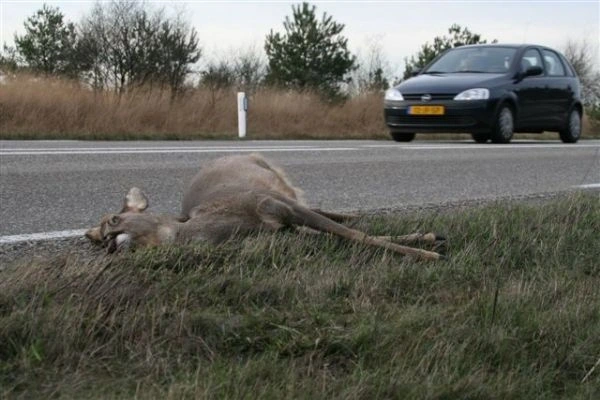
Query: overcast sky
{"x": 399, "y": 27}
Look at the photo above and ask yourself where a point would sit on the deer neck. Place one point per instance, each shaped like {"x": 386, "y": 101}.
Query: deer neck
{"x": 168, "y": 231}
{"x": 192, "y": 230}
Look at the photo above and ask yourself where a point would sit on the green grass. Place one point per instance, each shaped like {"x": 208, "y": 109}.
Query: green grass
{"x": 514, "y": 313}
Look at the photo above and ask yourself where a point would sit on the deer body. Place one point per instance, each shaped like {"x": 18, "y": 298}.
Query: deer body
{"x": 234, "y": 195}
{"x": 236, "y": 175}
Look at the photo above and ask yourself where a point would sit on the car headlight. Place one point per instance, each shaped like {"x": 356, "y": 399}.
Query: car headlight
{"x": 394, "y": 95}
{"x": 473, "y": 94}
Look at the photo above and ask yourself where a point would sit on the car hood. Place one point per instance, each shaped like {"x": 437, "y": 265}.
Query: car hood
{"x": 448, "y": 83}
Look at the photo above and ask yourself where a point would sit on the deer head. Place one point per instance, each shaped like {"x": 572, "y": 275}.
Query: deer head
{"x": 131, "y": 226}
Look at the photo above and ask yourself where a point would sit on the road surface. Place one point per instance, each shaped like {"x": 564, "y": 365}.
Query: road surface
{"x": 61, "y": 187}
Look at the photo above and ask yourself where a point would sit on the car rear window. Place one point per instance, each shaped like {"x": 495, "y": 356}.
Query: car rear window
{"x": 474, "y": 59}
{"x": 554, "y": 66}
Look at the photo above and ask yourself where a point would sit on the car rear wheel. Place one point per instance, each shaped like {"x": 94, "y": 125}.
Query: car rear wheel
{"x": 402, "y": 137}
{"x": 504, "y": 126}
{"x": 572, "y": 132}
{"x": 480, "y": 137}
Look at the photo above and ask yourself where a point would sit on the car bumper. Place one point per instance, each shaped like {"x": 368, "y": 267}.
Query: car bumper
{"x": 459, "y": 116}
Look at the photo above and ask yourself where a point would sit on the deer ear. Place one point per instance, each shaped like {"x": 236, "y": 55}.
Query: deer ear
{"x": 135, "y": 201}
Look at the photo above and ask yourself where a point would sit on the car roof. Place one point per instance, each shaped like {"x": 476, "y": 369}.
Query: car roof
{"x": 510, "y": 45}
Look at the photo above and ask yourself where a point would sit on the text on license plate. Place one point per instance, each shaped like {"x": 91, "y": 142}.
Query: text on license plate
{"x": 426, "y": 110}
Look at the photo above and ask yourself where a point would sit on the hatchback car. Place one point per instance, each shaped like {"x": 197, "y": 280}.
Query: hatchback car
{"x": 489, "y": 91}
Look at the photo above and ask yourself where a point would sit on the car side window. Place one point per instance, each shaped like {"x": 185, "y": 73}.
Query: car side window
{"x": 553, "y": 64}
{"x": 531, "y": 58}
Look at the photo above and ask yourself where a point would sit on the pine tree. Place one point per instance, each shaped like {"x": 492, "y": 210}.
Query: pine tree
{"x": 48, "y": 44}
{"x": 311, "y": 54}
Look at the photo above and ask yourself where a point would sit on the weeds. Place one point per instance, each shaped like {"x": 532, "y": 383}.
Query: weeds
{"x": 514, "y": 313}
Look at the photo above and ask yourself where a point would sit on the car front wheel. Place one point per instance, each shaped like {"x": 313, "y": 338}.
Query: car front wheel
{"x": 504, "y": 126}
{"x": 402, "y": 137}
{"x": 572, "y": 132}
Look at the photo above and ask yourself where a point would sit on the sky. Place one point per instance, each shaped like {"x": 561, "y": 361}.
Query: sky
{"x": 399, "y": 28}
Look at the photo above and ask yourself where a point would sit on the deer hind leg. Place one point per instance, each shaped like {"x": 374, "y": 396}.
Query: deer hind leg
{"x": 413, "y": 238}
{"x": 437, "y": 242}
{"x": 429, "y": 238}
{"x": 290, "y": 212}
{"x": 337, "y": 217}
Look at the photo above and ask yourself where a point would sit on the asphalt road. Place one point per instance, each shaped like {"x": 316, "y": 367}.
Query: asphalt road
{"x": 48, "y": 186}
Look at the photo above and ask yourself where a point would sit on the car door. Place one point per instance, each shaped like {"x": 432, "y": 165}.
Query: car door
{"x": 530, "y": 91}
{"x": 558, "y": 90}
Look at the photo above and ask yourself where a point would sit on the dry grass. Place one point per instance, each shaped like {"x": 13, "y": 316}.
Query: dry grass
{"x": 51, "y": 108}
{"x": 35, "y": 108}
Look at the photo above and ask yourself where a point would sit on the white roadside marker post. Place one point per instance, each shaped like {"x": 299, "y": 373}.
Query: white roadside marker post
{"x": 242, "y": 102}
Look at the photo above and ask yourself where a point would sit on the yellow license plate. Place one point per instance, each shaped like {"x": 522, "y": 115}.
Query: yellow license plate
{"x": 426, "y": 110}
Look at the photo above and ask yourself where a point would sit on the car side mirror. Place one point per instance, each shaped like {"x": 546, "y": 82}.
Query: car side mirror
{"x": 533, "y": 71}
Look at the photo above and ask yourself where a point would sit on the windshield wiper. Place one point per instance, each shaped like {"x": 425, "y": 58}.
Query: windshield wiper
{"x": 434, "y": 72}
{"x": 470, "y": 71}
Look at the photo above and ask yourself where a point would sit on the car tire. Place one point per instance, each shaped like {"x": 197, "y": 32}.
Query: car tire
{"x": 504, "y": 125}
{"x": 402, "y": 137}
{"x": 480, "y": 137}
{"x": 572, "y": 131}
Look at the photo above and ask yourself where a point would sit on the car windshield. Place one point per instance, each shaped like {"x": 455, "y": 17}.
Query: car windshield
{"x": 494, "y": 60}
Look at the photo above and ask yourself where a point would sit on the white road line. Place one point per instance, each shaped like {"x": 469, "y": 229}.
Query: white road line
{"x": 299, "y": 148}
{"x": 173, "y": 151}
{"x": 484, "y": 146}
{"x": 34, "y": 237}
{"x": 150, "y": 148}
{"x": 588, "y": 186}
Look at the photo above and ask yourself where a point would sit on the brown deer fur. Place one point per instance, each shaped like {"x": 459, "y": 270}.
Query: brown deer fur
{"x": 234, "y": 195}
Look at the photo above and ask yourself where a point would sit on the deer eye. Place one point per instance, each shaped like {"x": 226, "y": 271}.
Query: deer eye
{"x": 114, "y": 220}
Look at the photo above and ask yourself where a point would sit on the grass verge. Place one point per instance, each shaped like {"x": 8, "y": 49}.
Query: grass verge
{"x": 514, "y": 313}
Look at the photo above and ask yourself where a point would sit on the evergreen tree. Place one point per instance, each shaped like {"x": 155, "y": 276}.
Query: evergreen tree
{"x": 48, "y": 44}
{"x": 311, "y": 54}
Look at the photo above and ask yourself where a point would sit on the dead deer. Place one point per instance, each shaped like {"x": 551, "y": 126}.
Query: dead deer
{"x": 235, "y": 195}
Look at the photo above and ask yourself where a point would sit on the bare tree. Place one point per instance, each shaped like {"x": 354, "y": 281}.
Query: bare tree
{"x": 250, "y": 68}
{"x": 175, "y": 52}
{"x": 243, "y": 69}
{"x": 373, "y": 70}
{"x": 581, "y": 56}
{"x": 218, "y": 75}
{"x": 10, "y": 60}
{"x": 124, "y": 45}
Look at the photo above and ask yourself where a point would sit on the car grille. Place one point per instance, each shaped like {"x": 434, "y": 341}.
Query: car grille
{"x": 432, "y": 120}
{"x": 434, "y": 97}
